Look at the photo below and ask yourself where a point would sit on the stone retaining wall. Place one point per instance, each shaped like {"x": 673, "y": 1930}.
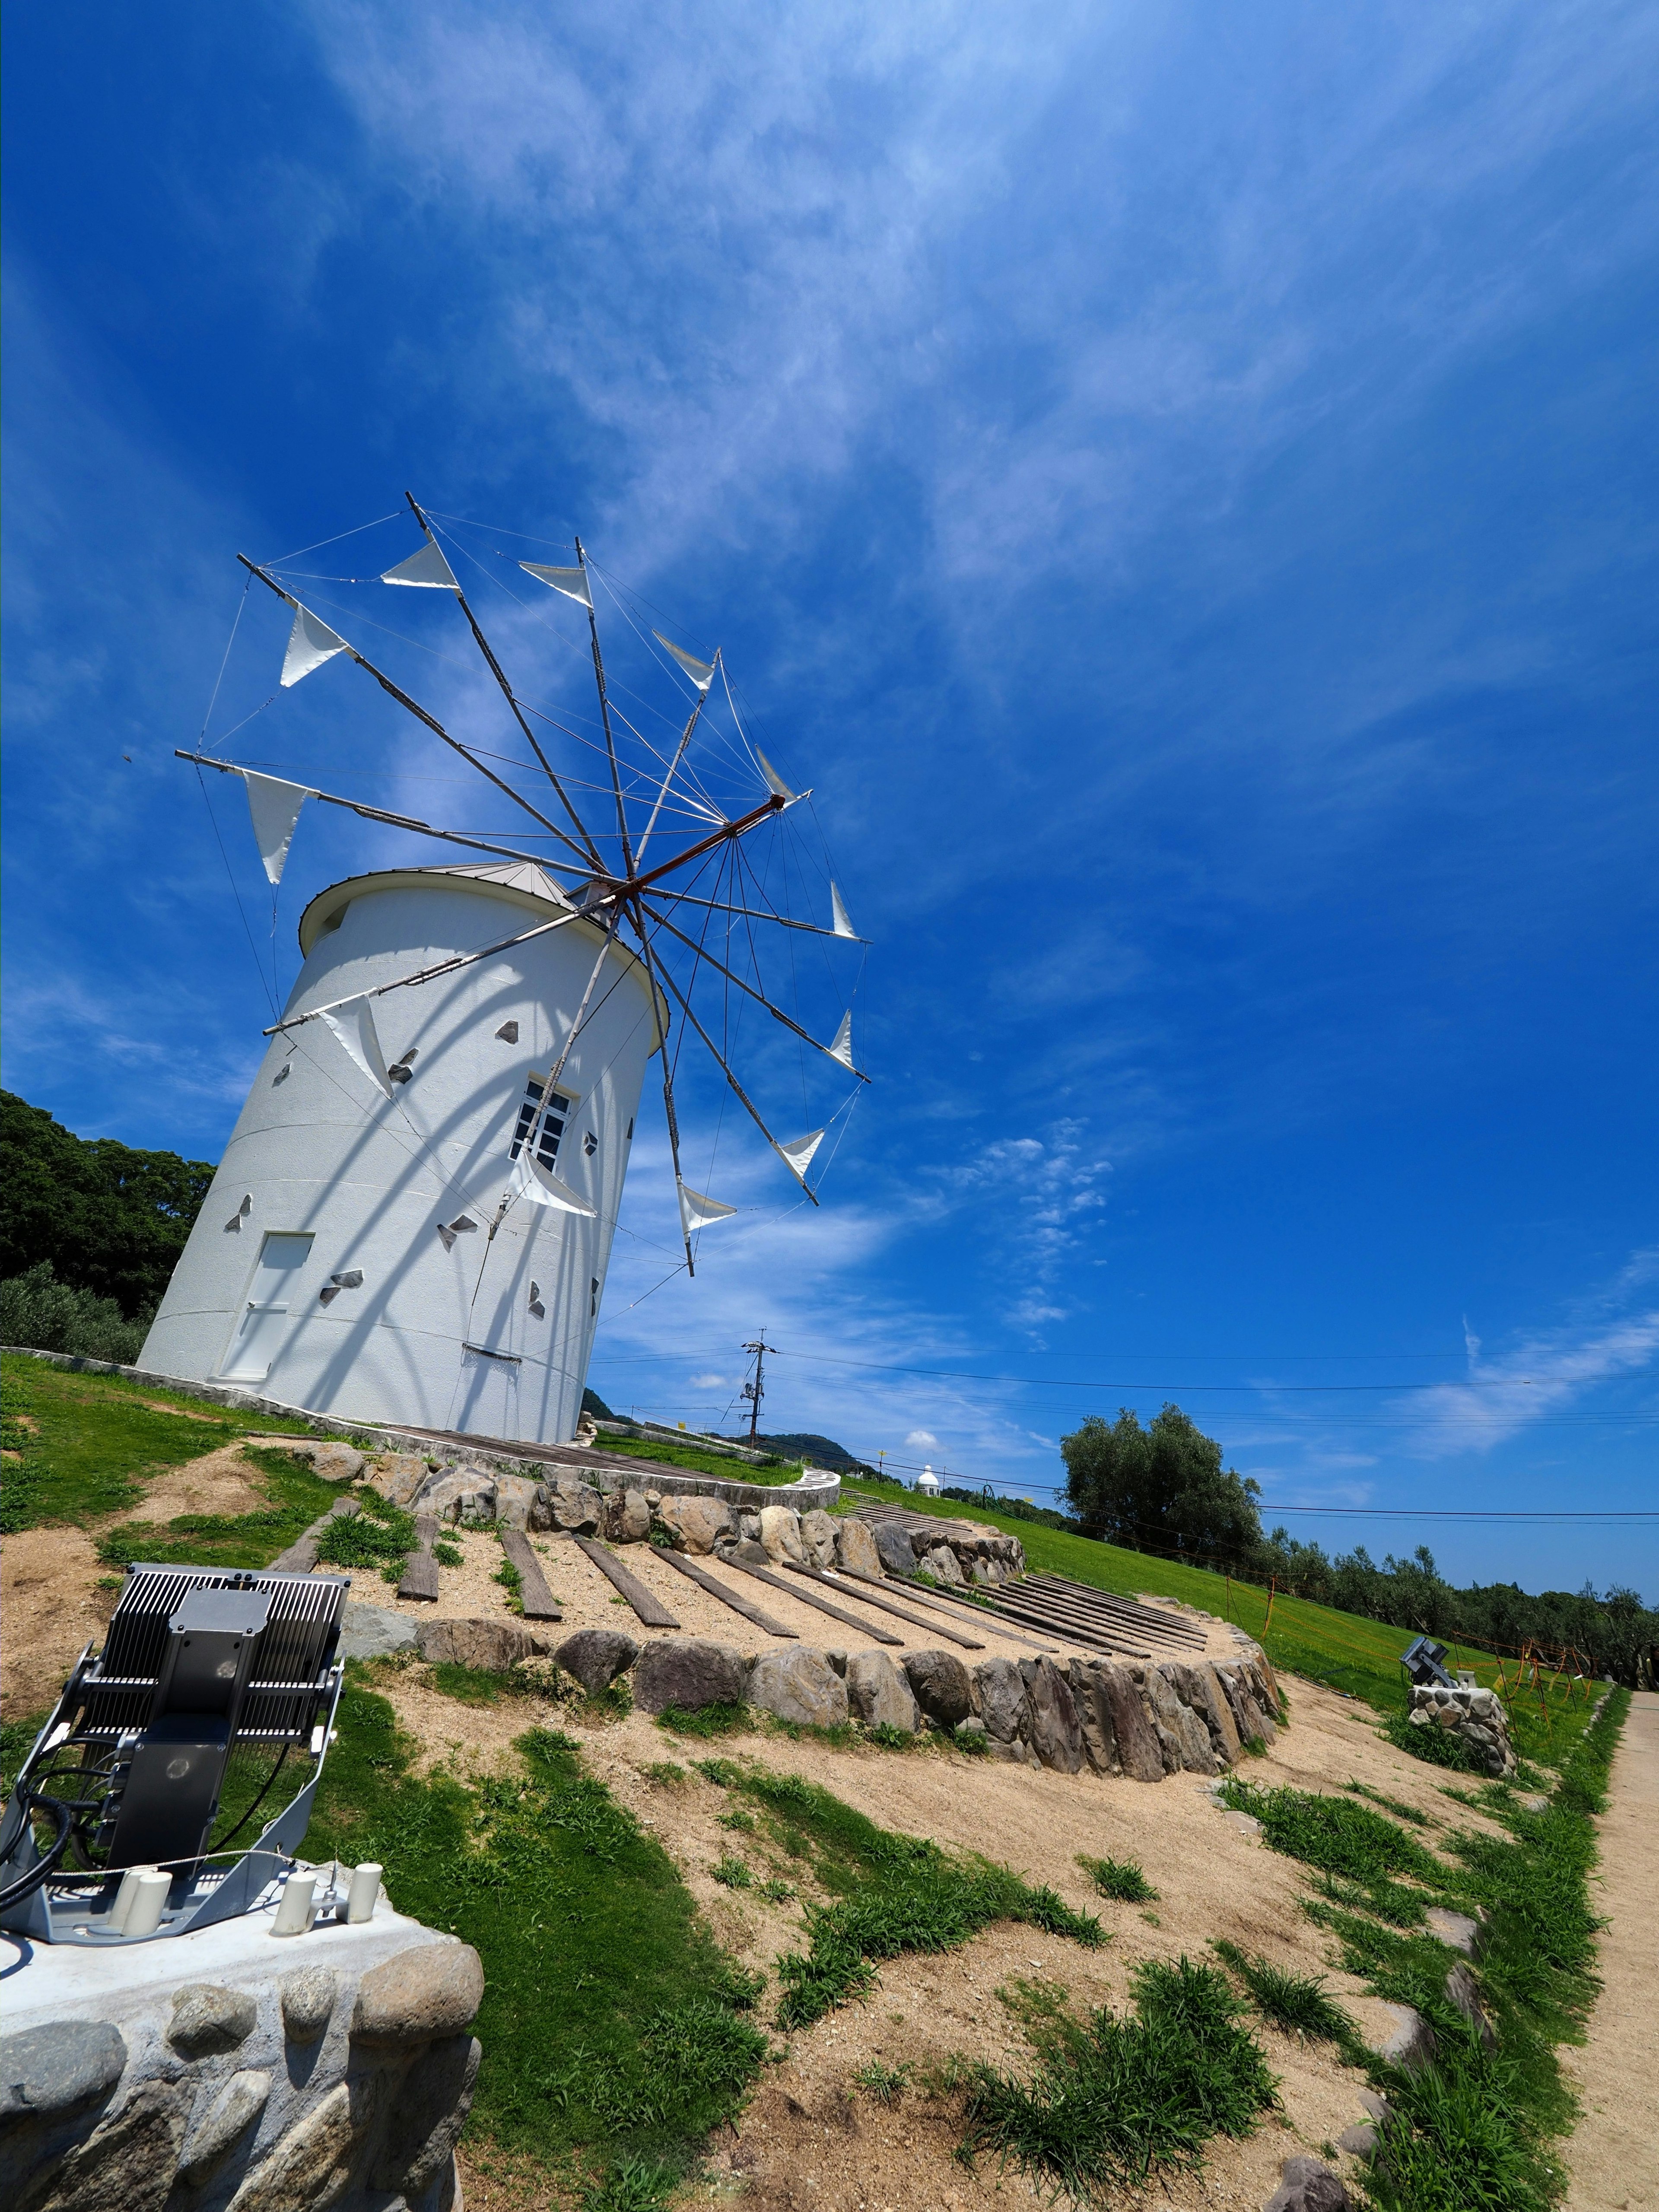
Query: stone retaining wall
{"x": 1474, "y": 1716}
{"x": 231, "y": 2067}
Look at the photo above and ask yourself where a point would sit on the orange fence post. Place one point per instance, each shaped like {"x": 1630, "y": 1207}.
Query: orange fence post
{"x": 1272, "y": 1592}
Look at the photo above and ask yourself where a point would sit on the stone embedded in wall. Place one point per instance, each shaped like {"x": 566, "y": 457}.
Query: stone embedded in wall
{"x": 208, "y": 2020}
{"x": 629, "y": 1517}
{"x": 570, "y": 1505}
{"x": 232, "y": 2113}
{"x": 817, "y": 1536}
{"x": 1139, "y": 1751}
{"x": 493, "y": 1645}
{"x": 460, "y": 1494}
{"x": 941, "y": 1562}
{"x": 939, "y": 1681}
{"x": 595, "y": 1656}
{"x": 877, "y": 1693}
{"x": 517, "y": 1499}
{"x": 1197, "y": 1682}
{"x": 430, "y": 1990}
{"x": 695, "y": 1524}
{"x": 855, "y": 1548}
{"x": 426, "y": 2117}
{"x": 308, "y": 1998}
{"x": 398, "y": 1476}
{"x": 893, "y": 1545}
{"x": 1056, "y": 1737}
{"x": 311, "y": 2165}
{"x": 798, "y": 1684}
{"x": 999, "y": 1692}
{"x": 1474, "y": 1717}
{"x": 688, "y": 1672}
{"x": 129, "y": 2161}
{"x": 781, "y": 1536}
{"x": 51, "y": 2073}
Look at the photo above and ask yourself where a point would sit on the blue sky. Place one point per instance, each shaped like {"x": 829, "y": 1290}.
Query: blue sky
{"x": 1178, "y": 484}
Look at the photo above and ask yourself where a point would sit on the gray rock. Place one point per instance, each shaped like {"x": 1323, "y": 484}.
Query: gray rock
{"x": 1455, "y": 1929}
{"x": 749, "y": 1528}
{"x": 855, "y": 1548}
{"x": 751, "y": 1553}
{"x": 429, "y": 1991}
{"x": 307, "y": 1999}
{"x": 1463, "y": 1991}
{"x": 1246, "y": 1823}
{"x": 781, "y": 1535}
{"x": 596, "y": 1657}
{"x": 128, "y": 2164}
{"x": 51, "y": 2072}
{"x": 942, "y": 1563}
{"x": 798, "y": 1684}
{"x": 689, "y": 1671}
{"x": 232, "y": 2113}
{"x": 1179, "y": 1721}
{"x": 695, "y": 1524}
{"x": 1247, "y": 1716}
{"x": 336, "y": 1462}
{"x": 1534, "y": 1804}
{"x": 310, "y": 2166}
{"x": 877, "y": 1693}
{"x": 1094, "y": 1717}
{"x": 1377, "y": 2105}
{"x": 207, "y": 2018}
{"x": 373, "y": 1632}
{"x": 1056, "y": 1737}
{"x": 1307, "y": 2184}
{"x": 1138, "y": 1750}
{"x": 1411, "y": 2045}
{"x": 894, "y": 1548}
{"x": 838, "y": 1660}
{"x": 516, "y": 1499}
{"x": 999, "y": 1693}
{"x": 818, "y": 1535}
{"x": 938, "y": 1682}
{"x": 1196, "y": 1681}
{"x": 972, "y": 1733}
{"x": 493, "y": 1645}
{"x": 427, "y": 2117}
{"x": 1360, "y": 2139}
{"x": 633, "y": 1518}
{"x": 457, "y": 1494}
{"x": 400, "y": 1475}
{"x": 571, "y": 1505}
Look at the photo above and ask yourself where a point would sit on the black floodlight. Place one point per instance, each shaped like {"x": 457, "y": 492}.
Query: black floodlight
{"x": 210, "y": 1679}
{"x": 1423, "y": 1661}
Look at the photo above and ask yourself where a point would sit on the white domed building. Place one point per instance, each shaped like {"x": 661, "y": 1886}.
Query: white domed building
{"x": 379, "y": 1243}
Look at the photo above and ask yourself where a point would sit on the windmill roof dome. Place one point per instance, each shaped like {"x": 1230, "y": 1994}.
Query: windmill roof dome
{"x": 519, "y": 882}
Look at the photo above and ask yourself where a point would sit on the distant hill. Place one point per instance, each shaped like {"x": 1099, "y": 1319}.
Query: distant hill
{"x": 821, "y": 1452}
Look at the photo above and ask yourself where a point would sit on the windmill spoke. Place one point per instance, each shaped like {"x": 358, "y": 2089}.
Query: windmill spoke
{"x": 604, "y": 716}
{"x": 776, "y": 1013}
{"x": 667, "y": 1078}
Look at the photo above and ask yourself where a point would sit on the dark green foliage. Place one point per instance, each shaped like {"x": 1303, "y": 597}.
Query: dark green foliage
{"x": 696, "y": 1461}
{"x": 110, "y": 1219}
{"x": 1121, "y": 1879}
{"x": 38, "y": 1311}
{"x": 1331, "y": 1834}
{"x": 805, "y": 1446}
{"x": 1296, "y": 2002}
{"x": 707, "y": 1723}
{"x": 1164, "y": 1487}
{"x": 379, "y": 1535}
{"x": 645, "y": 2047}
{"x": 475, "y": 1685}
{"x": 1435, "y": 1747}
{"x": 732, "y": 1873}
{"x": 1395, "y": 1805}
{"x": 633, "y": 2184}
{"x": 1113, "y": 2102}
{"x": 592, "y": 1403}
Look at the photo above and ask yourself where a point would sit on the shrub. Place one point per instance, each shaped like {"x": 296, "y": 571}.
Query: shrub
{"x": 43, "y": 1315}
{"x": 1121, "y": 1879}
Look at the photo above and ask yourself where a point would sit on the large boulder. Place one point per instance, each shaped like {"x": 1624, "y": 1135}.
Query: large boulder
{"x": 50, "y": 2073}
{"x": 938, "y": 1682}
{"x": 894, "y": 1547}
{"x": 629, "y": 1520}
{"x": 855, "y": 1548}
{"x": 517, "y": 1500}
{"x": 373, "y": 1632}
{"x": 1094, "y": 1716}
{"x": 460, "y": 1494}
{"x": 688, "y": 1672}
{"x": 1197, "y": 1683}
{"x": 1138, "y": 1752}
{"x": 1055, "y": 1736}
{"x": 817, "y": 1536}
{"x": 944, "y": 1566}
{"x": 781, "y": 1536}
{"x": 398, "y": 1476}
{"x": 1307, "y": 2184}
{"x": 1180, "y": 1728}
{"x": 695, "y": 1524}
{"x": 596, "y": 1657}
{"x": 801, "y": 1685}
{"x": 1004, "y": 1706}
{"x": 877, "y": 1693}
{"x": 1246, "y": 1714}
{"x": 493, "y": 1645}
{"x": 570, "y": 1505}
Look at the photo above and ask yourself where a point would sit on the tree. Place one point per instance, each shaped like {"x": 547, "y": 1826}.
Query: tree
{"x": 109, "y": 1219}
{"x": 1160, "y": 1489}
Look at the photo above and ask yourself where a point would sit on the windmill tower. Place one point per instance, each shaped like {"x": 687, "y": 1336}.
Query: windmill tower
{"x": 412, "y": 1221}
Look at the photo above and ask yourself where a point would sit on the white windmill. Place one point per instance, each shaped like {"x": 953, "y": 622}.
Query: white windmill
{"x": 422, "y": 1235}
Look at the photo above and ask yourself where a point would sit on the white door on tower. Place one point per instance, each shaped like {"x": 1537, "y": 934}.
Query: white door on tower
{"x": 264, "y": 1319}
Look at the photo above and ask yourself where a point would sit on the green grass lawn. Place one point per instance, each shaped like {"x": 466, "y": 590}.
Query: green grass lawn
{"x": 702, "y": 1462}
{"x": 1342, "y": 1650}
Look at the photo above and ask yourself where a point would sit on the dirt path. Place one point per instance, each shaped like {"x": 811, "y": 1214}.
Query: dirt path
{"x": 1612, "y": 2158}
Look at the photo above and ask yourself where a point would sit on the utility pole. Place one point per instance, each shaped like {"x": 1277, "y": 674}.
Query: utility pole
{"x": 756, "y": 1391}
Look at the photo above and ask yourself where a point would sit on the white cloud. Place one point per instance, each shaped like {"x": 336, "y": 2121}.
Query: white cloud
{"x": 922, "y": 1437}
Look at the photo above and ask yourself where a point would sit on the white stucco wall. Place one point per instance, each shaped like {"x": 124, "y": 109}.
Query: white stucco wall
{"x": 321, "y": 1151}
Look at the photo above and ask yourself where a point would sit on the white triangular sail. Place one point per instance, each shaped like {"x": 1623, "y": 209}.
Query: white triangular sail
{"x": 843, "y": 1047}
{"x": 573, "y": 582}
{"x": 353, "y": 1023}
{"x": 773, "y": 778}
{"x": 841, "y": 919}
{"x": 798, "y": 1155}
{"x": 275, "y": 807}
{"x": 543, "y": 1188}
{"x": 428, "y": 569}
{"x": 701, "y": 672}
{"x": 310, "y": 643}
{"x": 697, "y": 1212}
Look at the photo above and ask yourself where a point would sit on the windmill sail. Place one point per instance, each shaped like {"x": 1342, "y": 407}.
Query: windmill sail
{"x": 842, "y": 1050}
{"x": 774, "y": 780}
{"x": 701, "y": 672}
{"x": 573, "y": 582}
{"x": 428, "y": 569}
{"x": 798, "y": 1155}
{"x": 840, "y": 919}
{"x": 353, "y": 1023}
{"x": 275, "y": 807}
{"x": 310, "y": 643}
{"x": 697, "y": 1212}
{"x": 543, "y": 1188}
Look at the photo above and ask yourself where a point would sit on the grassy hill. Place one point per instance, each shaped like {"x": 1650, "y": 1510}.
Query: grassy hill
{"x": 1351, "y": 1654}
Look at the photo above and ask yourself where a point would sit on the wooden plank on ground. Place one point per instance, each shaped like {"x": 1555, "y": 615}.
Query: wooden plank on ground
{"x": 646, "y": 1603}
{"x": 420, "y": 1568}
{"x": 885, "y": 1605}
{"x": 537, "y": 1600}
{"x": 806, "y": 1597}
{"x": 716, "y": 1587}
